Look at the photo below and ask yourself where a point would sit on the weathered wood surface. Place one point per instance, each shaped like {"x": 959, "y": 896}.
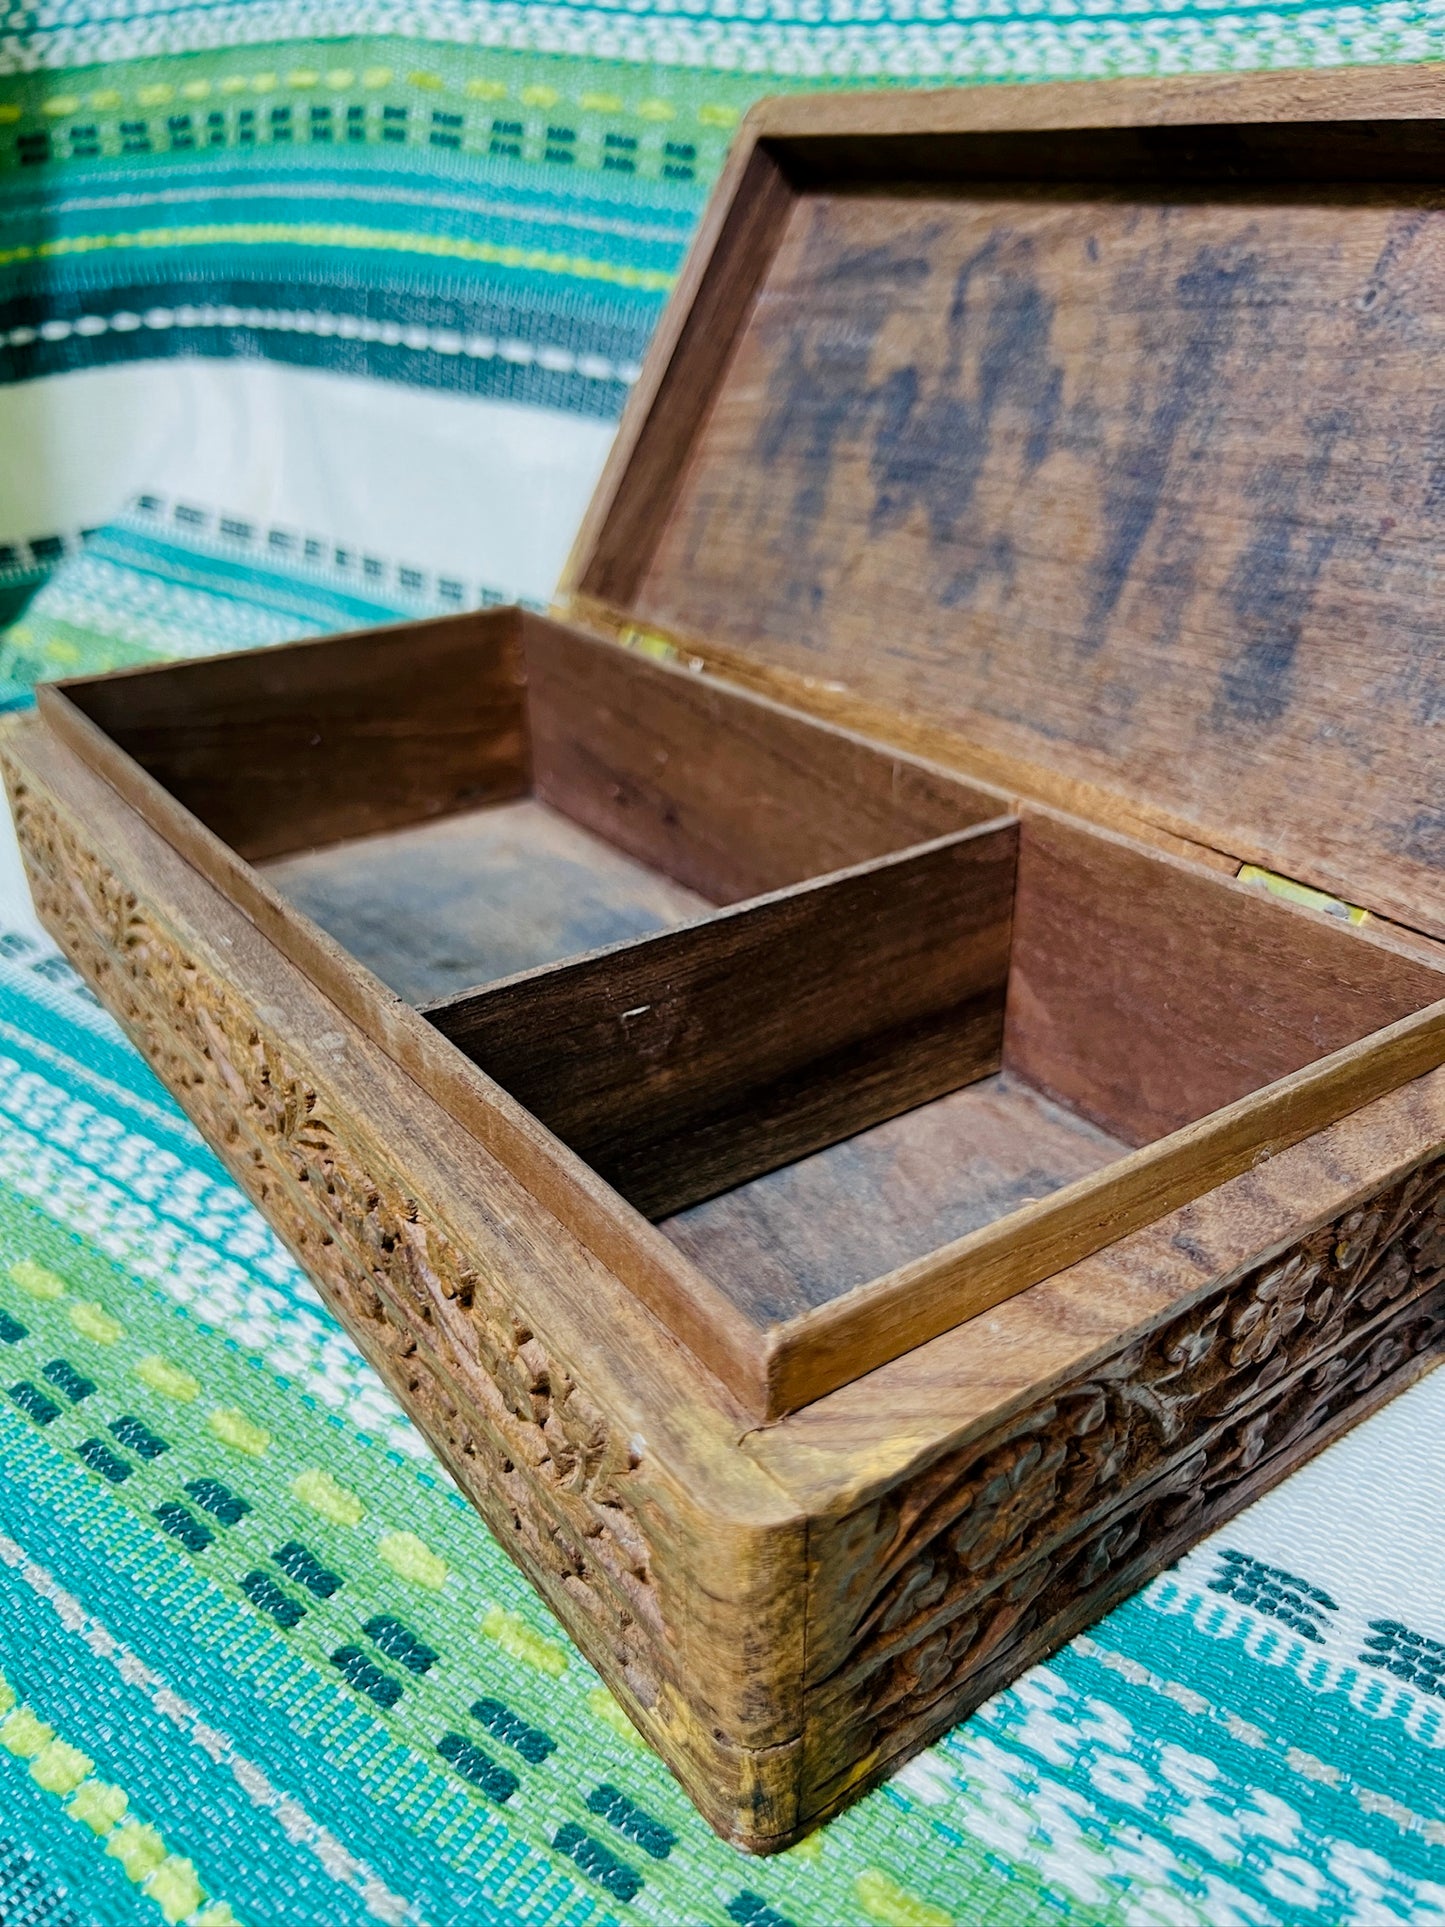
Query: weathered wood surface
{"x": 739, "y": 229}
{"x": 278, "y": 749}
{"x": 799, "y": 1237}
{"x": 727, "y": 793}
{"x": 681, "y": 1067}
{"x": 1115, "y": 490}
{"x": 1135, "y": 491}
{"x": 786, "y": 1612}
{"x": 1364, "y": 125}
{"x": 438, "y": 907}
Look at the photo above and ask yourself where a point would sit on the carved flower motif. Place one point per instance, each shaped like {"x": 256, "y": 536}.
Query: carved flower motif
{"x": 1015, "y": 1491}
{"x": 1280, "y": 1302}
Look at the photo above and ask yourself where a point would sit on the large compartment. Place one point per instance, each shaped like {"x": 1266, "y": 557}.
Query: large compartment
{"x": 1029, "y": 1002}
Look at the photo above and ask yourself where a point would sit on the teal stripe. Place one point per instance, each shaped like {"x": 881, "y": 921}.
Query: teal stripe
{"x": 197, "y": 1805}
{"x": 492, "y": 225}
{"x": 33, "y": 1007}
{"x": 658, "y": 212}
{"x": 316, "y": 603}
{"x": 1270, "y": 1698}
{"x": 243, "y": 1677}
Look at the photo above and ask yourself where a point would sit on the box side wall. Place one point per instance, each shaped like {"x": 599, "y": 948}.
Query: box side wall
{"x": 1053, "y": 1600}
{"x": 1146, "y": 993}
{"x": 954, "y": 1570}
{"x": 596, "y": 1451}
{"x": 334, "y": 737}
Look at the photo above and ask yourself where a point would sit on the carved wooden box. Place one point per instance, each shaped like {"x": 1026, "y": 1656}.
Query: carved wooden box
{"x": 805, "y": 1112}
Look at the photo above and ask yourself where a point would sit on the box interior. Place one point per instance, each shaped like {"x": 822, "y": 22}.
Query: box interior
{"x": 814, "y": 1007}
{"x": 463, "y": 900}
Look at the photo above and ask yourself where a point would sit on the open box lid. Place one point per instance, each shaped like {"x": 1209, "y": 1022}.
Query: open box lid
{"x": 1089, "y": 438}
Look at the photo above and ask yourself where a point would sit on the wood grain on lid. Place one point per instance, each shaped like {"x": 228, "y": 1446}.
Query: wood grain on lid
{"x": 1143, "y": 490}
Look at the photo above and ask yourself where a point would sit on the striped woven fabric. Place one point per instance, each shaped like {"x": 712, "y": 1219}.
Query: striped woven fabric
{"x": 314, "y": 316}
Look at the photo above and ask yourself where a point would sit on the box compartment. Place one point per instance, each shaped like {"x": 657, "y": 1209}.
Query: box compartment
{"x": 466, "y": 899}
{"x": 462, "y": 800}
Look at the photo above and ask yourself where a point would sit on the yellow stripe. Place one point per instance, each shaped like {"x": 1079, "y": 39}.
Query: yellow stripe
{"x": 167, "y": 1878}
{"x": 324, "y": 234}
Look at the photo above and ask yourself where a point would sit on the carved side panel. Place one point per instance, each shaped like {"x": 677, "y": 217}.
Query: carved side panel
{"x": 534, "y": 1454}
{"x": 1046, "y": 1604}
{"x": 994, "y": 1550}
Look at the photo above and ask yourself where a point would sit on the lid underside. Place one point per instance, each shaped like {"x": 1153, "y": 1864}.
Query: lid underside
{"x": 1147, "y": 492}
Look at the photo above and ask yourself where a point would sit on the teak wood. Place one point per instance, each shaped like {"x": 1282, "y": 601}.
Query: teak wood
{"x": 813, "y": 1127}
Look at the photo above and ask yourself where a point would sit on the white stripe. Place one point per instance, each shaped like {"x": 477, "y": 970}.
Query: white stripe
{"x": 346, "y": 327}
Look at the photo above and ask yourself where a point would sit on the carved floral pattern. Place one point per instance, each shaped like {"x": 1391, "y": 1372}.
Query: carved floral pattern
{"x": 527, "y": 1445}
{"x": 990, "y": 1554}
{"x": 959, "y": 1665}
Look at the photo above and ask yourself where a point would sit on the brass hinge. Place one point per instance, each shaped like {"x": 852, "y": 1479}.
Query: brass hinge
{"x": 1293, "y": 892}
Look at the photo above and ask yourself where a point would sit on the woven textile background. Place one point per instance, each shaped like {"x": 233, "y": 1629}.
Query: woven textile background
{"x": 315, "y": 314}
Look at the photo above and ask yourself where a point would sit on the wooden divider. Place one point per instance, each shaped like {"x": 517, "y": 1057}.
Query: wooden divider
{"x": 687, "y": 1063}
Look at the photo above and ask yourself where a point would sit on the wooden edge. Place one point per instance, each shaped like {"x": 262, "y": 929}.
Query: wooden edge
{"x": 1400, "y": 92}
{"x": 820, "y": 1351}
{"x": 456, "y": 1005}
{"x": 741, "y": 226}
{"x": 684, "y": 1298}
{"x": 402, "y": 632}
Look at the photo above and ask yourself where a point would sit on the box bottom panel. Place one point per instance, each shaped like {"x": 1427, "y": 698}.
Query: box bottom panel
{"x": 803, "y": 1235}
{"x": 468, "y": 899}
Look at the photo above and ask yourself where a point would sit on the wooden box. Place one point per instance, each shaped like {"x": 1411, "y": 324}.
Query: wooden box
{"x": 805, "y": 1112}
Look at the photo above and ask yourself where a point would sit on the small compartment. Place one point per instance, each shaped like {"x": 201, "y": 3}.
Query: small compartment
{"x": 487, "y": 893}
{"x": 465, "y": 800}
